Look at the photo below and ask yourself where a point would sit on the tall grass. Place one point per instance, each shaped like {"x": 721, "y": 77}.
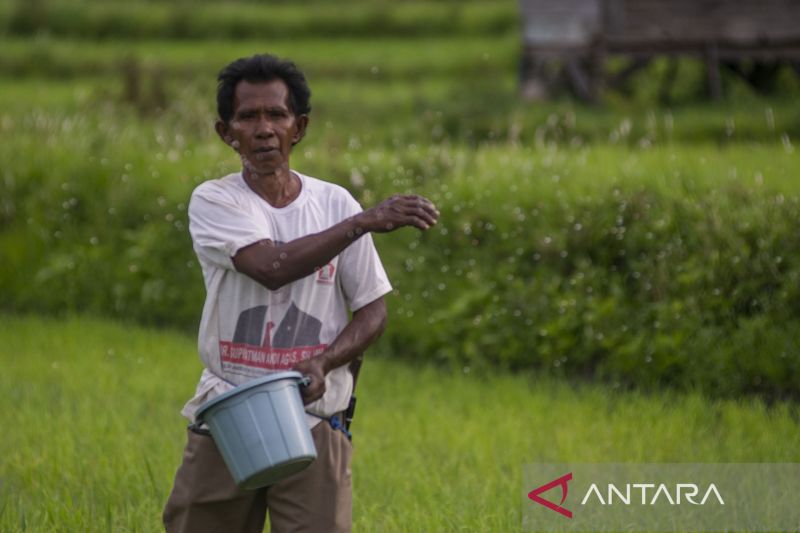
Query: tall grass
{"x": 93, "y": 436}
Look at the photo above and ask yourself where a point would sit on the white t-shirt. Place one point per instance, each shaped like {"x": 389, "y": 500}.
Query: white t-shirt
{"x": 247, "y": 330}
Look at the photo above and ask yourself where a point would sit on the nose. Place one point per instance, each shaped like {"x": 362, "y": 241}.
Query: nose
{"x": 264, "y": 127}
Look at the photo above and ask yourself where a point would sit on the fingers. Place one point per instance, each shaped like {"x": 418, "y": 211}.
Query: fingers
{"x": 424, "y": 216}
{"x": 408, "y": 210}
{"x": 311, "y": 398}
{"x": 423, "y": 213}
{"x": 313, "y": 391}
{"x": 316, "y": 385}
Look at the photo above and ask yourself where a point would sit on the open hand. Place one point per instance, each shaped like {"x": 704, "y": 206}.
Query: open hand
{"x": 399, "y": 211}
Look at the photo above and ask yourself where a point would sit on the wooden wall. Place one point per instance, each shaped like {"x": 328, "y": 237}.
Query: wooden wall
{"x": 685, "y": 22}
{"x": 742, "y": 22}
{"x": 568, "y": 41}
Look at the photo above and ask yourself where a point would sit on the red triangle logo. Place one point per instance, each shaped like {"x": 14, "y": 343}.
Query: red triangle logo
{"x": 562, "y": 482}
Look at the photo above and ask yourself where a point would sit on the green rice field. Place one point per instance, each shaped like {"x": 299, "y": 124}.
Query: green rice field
{"x": 93, "y": 433}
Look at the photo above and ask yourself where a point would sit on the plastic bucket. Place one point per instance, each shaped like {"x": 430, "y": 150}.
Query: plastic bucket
{"x": 260, "y": 429}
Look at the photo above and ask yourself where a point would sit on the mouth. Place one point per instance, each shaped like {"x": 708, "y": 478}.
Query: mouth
{"x": 264, "y": 152}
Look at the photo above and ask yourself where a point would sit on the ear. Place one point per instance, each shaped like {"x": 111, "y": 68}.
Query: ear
{"x": 301, "y": 123}
{"x": 224, "y": 132}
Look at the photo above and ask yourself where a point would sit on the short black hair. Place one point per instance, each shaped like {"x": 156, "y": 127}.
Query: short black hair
{"x": 257, "y": 68}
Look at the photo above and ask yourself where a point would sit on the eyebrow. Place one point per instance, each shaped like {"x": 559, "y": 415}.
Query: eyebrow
{"x": 242, "y": 110}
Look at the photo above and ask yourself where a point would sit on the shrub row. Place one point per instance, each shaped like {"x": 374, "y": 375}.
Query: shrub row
{"x": 394, "y": 60}
{"x": 673, "y": 274}
{"x": 674, "y": 265}
{"x": 451, "y": 89}
{"x": 245, "y": 20}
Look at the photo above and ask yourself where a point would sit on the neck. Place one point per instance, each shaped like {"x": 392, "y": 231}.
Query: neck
{"x": 278, "y": 188}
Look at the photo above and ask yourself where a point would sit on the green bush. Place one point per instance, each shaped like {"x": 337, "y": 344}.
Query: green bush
{"x": 667, "y": 276}
{"x": 675, "y": 265}
{"x": 248, "y": 20}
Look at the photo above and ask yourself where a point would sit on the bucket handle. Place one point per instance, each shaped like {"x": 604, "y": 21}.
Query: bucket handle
{"x": 302, "y": 382}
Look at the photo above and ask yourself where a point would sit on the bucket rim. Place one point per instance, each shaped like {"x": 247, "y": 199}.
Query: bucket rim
{"x": 268, "y": 378}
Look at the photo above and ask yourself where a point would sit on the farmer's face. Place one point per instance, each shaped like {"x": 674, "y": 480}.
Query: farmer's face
{"x": 263, "y": 128}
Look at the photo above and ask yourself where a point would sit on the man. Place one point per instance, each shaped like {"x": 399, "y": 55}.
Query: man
{"x": 285, "y": 258}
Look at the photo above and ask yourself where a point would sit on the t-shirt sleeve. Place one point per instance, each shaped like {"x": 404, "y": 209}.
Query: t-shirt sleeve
{"x": 220, "y": 228}
{"x": 361, "y": 272}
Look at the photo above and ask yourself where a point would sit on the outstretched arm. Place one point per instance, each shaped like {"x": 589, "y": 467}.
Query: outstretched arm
{"x": 275, "y": 265}
{"x": 364, "y": 329}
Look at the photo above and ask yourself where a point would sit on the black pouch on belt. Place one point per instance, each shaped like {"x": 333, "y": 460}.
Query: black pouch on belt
{"x": 349, "y": 412}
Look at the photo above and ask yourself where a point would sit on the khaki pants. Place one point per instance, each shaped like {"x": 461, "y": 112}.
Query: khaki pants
{"x": 205, "y": 499}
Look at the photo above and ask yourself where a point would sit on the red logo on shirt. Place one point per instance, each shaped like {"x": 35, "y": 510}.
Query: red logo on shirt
{"x": 325, "y": 274}
{"x": 259, "y": 342}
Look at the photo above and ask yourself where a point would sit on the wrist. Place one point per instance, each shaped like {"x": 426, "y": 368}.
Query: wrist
{"x": 356, "y": 226}
{"x": 325, "y": 363}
